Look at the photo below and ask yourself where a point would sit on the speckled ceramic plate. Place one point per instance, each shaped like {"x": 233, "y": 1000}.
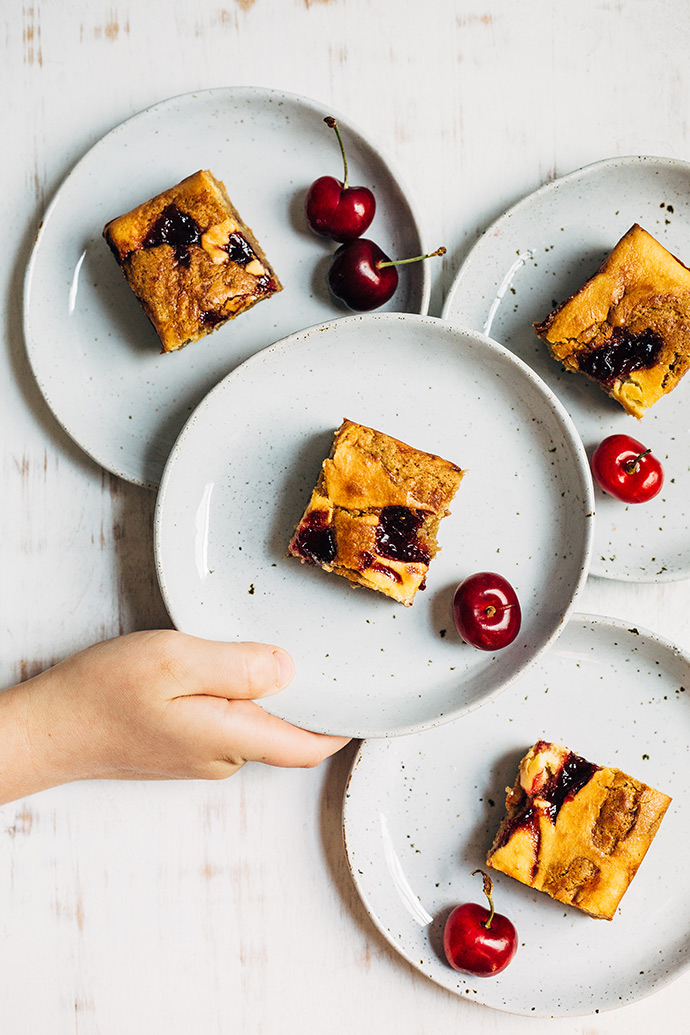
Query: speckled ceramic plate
{"x": 537, "y": 254}
{"x": 94, "y": 354}
{"x": 421, "y": 812}
{"x": 242, "y": 472}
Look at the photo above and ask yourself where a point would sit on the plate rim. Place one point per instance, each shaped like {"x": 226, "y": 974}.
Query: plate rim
{"x": 484, "y": 341}
{"x": 45, "y": 225}
{"x": 583, "y": 619}
{"x": 592, "y": 168}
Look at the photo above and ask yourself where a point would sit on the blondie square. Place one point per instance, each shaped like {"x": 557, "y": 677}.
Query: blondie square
{"x": 628, "y": 327}
{"x": 576, "y": 830}
{"x": 375, "y": 512}
{"x": 190, "y": 260}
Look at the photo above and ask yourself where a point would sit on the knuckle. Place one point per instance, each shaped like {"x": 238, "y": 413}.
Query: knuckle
{"x": 170, "y": 654}
{"x": 254, "y": 673}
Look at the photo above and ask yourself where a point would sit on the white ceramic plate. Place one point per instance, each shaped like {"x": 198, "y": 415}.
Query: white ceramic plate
{"x": 95, "y": 355}
{"x": 540, "y": 252}
{"x": 420, "y": 814}
{"x": 242, "y": 472}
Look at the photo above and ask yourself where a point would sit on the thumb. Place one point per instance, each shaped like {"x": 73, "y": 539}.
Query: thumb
{"x": 235, "y": 670}
{"x": 266, "y": 738}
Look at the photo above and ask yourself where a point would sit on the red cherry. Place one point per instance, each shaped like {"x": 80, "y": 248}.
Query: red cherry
{"x": 486, "y": 611}
{"x": 356, "y": 277}
{"x": 624, "y": 468}
{"x": 333, "y": 208}
{"x": 477, "y": 940}
{"x": 363, "y": 277}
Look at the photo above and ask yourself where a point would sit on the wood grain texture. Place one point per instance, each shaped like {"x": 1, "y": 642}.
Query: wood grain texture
{"x": 186, "y": 908}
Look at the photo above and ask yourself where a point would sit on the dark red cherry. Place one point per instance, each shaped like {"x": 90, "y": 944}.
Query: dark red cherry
{"x": 358, "y": 277}
{"x": 335, "y": 209}
{"x": 363, "y": 277}
{"x": 486, "y": 611}
{"x": 477, "y": 940}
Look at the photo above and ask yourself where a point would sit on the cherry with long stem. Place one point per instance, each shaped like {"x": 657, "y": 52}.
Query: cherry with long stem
{"x": 363, "y": 277}
{"x": 335, "y": 209}
{"x": 415, "y": 258}
{"x": 330, "y": 121}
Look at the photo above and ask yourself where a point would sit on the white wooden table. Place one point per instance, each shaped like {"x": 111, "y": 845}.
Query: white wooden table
{"x": 190, "y": 908}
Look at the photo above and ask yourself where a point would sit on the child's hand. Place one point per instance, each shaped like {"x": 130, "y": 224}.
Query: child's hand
{"x": 150, "y": 705}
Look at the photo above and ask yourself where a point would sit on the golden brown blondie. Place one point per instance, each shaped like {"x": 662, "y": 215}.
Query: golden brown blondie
{"x": 628, "y": 327}
{"x": 576, "y": 830}
{"x": 375, "y": 512}
{"x": 190, "y": 260}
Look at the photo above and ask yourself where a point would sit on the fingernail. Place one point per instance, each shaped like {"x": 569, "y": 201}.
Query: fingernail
{"x": 286, "y": 668}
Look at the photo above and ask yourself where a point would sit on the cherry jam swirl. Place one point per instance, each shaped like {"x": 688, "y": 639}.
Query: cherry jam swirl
{"x": 397, "y": 535}
{"x": 368, "y": 562}
{"x": 211, "y": 317}
{"x": 315, "y": 539}
{"x": 565, "y": 784}
{"x": 264, "y": 284}
{"x": 177, "y": 229}
{"x": 622, "y": 353}
{"x": 239, "y": 249}
{"x": 561, "y": 787}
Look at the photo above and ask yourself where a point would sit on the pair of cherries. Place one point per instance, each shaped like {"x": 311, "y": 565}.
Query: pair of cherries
{"x": 360, "y": 273}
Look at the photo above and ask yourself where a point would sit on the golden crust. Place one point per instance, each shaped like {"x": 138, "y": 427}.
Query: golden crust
{"x": 366, "y": 472}
{"x": 368, "y": 469}
{"x": 190, "y": 290}
{"x": 589, "y": 853}
{"x": 639, "y": 289}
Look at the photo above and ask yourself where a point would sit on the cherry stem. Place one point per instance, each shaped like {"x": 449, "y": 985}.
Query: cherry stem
{"x": 330, "y": 121}
{"x": 490, "y": 611}
{"x": 488, "y": 888}
{"x": 416, "y": 258}
{"x": 631, "y": 465}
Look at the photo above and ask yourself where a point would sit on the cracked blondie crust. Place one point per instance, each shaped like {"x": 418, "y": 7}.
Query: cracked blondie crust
{"x": 576, "y": 830}
{"x": 628, "y": 327}
{"x": 375, "y": 511}
{"x": 190, "y": 260}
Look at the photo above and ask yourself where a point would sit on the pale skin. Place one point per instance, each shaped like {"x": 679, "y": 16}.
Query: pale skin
{"x": 157, "y": 705}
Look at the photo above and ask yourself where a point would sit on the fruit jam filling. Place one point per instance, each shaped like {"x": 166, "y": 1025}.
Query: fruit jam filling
{"x": 177, "y": 229}
{"x": 211, "y": 317}
{"x": 622, "y": 353}
{"x": 315, "y": 539}
{"x": 239, "y": 249}
{"x": 369, "y": 563}
{"x": 265, "y": 283}
{"x": 397, "y": 535}
{"x": 565, "y": 783}
{"x": 561, "y": 786}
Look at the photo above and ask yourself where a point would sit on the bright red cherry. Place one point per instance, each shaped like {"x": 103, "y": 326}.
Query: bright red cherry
{"x": 333, "y": 208}
{"x": 486, "y": 611}
{"x": 624, "y": 468}
{"x": 363, "y": 277}
{"x": 478, "y": 941}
